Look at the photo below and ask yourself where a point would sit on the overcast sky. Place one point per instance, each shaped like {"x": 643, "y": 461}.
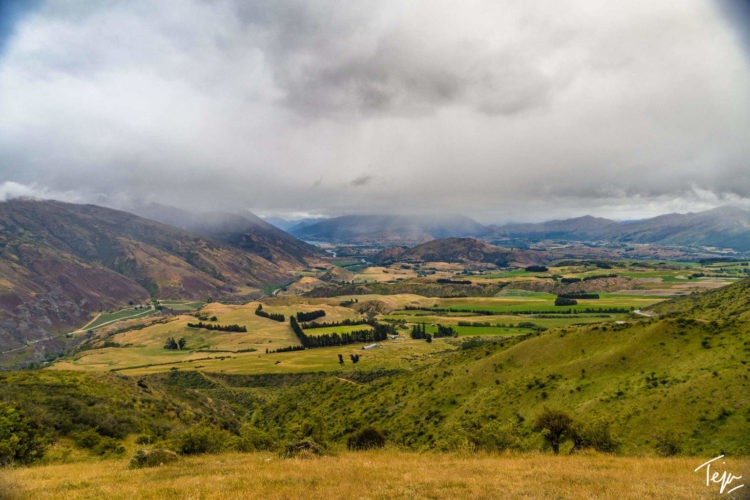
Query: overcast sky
{"x": 500, "y": 110}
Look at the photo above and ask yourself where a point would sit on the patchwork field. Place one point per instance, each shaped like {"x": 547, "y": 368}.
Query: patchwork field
{"x": 139, "y": 347}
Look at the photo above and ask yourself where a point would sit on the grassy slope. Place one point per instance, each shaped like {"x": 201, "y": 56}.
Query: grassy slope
{"x": 65, "y": 403}
{"x": 382, "y": 474}
{"x": 678, "y": 374}
{"x": 686, "y": 374}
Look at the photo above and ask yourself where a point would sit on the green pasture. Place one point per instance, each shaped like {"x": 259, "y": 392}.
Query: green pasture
{"x": 108, "y": 317}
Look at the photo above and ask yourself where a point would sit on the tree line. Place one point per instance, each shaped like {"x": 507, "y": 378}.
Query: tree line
{"x": 447, "y": 281}
{"x": 223, "y": 328}
{"x": 378, "y": 333}
{"x": 310, "y": 316}
{"x": 346, "y": 322}
{"x": 274, "y": 316}
{"x": 419, "y": 331}
{"x": 579, "y": 295}
{"x": 484, "y": 312}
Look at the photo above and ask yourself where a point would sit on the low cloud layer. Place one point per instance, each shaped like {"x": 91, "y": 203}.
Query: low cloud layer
{"x": 501, "y": 110}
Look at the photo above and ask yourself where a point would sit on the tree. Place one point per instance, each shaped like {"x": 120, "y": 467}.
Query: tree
{"x": 181, "y": 343}
{"x": 21, "y": 440}
{"x": 366, "y": 439}
{"x": 556, "y": 426}
{"x": 564, "y": 301}
{"x": 341, "y": 359}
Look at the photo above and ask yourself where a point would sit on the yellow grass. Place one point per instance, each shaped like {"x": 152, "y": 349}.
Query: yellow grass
{"x": 217, "y": 351}
{"x": 382, "y": 474}
{"x": 377, "y": 273}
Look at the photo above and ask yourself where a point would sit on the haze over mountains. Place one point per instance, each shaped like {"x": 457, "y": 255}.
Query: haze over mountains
{"x": 724, "y": 227}
{"x": 61, "y": 262}
{"x": 389, "y": 229}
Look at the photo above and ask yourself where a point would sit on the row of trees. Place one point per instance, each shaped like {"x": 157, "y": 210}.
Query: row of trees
{"x": 346, "y": 322}
{"x": 484, "y": 312}
{"x": 565, "y": 301}
{"x": 420, "y": 332}
{"x": 310, "y": 316}
{"x": 274, "y": 316}
{"x": 223, "y": 328}
{"x": 378, "y": 333}
{"x": 447, "y": 281}
{"x": 579, "y": 295}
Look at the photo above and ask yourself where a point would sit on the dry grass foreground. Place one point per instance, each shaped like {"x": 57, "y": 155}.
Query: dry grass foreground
{"x": 382, "y": 474}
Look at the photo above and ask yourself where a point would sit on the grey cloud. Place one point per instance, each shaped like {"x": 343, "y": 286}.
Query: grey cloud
{"x": 338, "y": 64}
{"x": 505, "y": 108}
{"x": 362, "y": 180}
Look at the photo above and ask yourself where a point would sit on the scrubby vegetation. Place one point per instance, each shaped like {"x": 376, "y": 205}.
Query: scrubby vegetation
{"x": 612, "y": 387}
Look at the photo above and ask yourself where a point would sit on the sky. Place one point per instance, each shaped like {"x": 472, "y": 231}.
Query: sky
{"x": 502, "y": 110}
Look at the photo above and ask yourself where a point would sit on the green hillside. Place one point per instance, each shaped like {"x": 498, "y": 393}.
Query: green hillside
{"x": 730, "y": 303}
{"x": 677, "y": 383}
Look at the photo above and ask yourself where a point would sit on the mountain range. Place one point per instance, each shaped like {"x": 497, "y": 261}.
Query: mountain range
{"x": 387, "y": 229}
{"x": 61, "y": 262}
{"x": 724, "y": 227}
{"x": 464, "y": 250}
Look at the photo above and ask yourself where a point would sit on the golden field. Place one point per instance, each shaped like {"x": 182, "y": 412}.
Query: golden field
{"x": 375, "y": 474}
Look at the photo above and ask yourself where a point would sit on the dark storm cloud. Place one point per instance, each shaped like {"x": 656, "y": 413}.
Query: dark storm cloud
{"x": 362, "y": 180}
{"x": 11, "y": 13}
{"x": 507, "y": 109}
{"x": 331, "y": 58}
{"x": 738, "y": 15}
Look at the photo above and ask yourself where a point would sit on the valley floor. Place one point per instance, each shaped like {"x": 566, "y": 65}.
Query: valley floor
{"x": 377, "y": 474}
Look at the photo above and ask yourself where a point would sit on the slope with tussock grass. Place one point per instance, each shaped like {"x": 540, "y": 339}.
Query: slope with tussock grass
{"x": 372, "y": 474}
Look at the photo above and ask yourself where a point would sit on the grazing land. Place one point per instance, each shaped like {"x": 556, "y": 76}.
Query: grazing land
{"x": 373, "y": 474}
{"x": 648, "y": 384}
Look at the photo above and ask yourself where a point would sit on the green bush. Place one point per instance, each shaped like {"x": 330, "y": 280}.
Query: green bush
{"x": 21, "y": 440}
{"x": 197, "y": 440}
{"x": 253, "y": 439}
{"x": 307, "y": 448}
{"x": 366, "y": 439}
{"x": 556, "y": 426}
{"x": 495, "y": 436}
{"x": 109, "y": 446}
{"x": 152, "y": 458}
{"x": 596, "y": 435}
{"x": 101, "y": 445}
{"x": 668, "y": 443}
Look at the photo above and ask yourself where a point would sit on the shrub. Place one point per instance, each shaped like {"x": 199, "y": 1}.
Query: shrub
{"x": 556, "y": 426}
{"x": 366, "y": 439}
{"x": 101, "y": 445}
{"x": 109, "y": 446}
{"x": 87, "y": 439}
{"x": 253, "y": 439}
{"x": 494, "y": 436}
{"x": 152, "y": 458}
{"x": 199, "y": 440}
{"x": 594, "y": 435}
{"x": 21, "y": 440}
{"x": 667, "y": 443}
{"x": 307, "y": 448}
